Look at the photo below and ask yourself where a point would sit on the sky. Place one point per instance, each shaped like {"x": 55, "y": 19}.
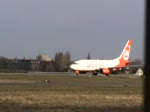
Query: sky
{"x": 98, "y": 27}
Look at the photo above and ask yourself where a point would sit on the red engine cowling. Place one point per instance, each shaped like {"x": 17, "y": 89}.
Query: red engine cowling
{"x": 106, "y": 71}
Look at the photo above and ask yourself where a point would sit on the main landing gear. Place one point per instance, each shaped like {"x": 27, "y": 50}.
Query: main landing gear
{"x": 92, "y": 74}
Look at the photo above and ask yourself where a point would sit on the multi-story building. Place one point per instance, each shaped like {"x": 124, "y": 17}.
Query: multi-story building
{"x": 26, "y": 65}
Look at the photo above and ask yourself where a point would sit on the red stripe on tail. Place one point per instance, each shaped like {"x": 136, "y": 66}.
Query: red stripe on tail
{"x": 124, "y": 57}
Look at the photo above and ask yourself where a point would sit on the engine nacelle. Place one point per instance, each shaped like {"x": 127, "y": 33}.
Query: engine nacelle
{"x": 105, "y": 71}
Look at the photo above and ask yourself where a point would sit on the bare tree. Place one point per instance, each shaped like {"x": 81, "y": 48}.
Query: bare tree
{"x": 62, "y": 61}
{"x": 67, "y": 58}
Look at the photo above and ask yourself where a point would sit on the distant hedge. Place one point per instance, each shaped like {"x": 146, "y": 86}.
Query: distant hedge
{"x": 12, "y": 71}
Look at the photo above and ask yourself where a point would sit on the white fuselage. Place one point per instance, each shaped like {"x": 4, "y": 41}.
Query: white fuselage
{"x": 90, "y": 65}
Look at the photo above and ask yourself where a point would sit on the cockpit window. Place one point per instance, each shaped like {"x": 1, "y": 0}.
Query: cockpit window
{"x": 74, "y": 63}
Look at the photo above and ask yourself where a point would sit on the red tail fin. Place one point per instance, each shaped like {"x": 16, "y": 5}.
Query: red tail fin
{"x": 124, "y": 57}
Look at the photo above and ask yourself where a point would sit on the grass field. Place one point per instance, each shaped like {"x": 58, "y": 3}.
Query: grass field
{"x": 69, "y": 93}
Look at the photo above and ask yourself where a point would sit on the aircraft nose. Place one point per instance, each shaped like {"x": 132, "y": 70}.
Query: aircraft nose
{"x": 72, "y": 66}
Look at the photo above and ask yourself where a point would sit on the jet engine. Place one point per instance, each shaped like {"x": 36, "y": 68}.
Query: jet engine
{"x": 105, "y": 71}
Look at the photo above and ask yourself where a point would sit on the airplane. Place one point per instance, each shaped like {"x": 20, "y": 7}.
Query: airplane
{"x": 94, "y": 66}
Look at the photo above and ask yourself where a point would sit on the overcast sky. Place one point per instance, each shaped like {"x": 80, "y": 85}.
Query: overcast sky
{"x": 101, "y": 27}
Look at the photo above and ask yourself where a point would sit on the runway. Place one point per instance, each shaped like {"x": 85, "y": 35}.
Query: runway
{"x": 59, "y": 79}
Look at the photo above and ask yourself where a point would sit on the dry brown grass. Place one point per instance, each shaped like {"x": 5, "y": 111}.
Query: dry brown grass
{"x": 55, "y": 102}
{"x": 21, "y": 94}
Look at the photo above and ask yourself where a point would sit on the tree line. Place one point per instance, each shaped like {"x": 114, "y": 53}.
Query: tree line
{"x": 60, "y": 63}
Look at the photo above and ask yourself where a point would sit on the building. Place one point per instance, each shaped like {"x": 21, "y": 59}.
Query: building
{"x": 43, "y": 57}
{"x": 24, "y": 65}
